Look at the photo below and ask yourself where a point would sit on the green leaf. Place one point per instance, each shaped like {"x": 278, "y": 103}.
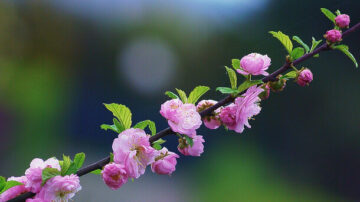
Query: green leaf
{"x": 171, "y": 95}
{"x": 247, "y": 84}
{"x": 111, "y": 127}
{"x": 48, "y": 173}
{"x": 121, "y": 112}
{"x": 159, "y": 141}
{"x": 345, "y": 50}
{"x": 297, "y": 39}
{"x": 227, "y": 90}
{"x": 119, "y": 126}
{"x": 189, "y": 140}
{"x": 10, "y": 184}
{"x": 157, "y": 146}
{"x": 96, "y": 172}
{"x": 297, "y": 53}
{"x": 284, "y": 39}
{"x": 235, "y": 63}
{"x": 314, "y": 44}
{"x": 111, "y": 157}
{"x": 79, "y": 159}
{"x": 197, "y": 93}
{"x": 182, "y": 95}
{"x": 2, "y": 182}
{"x": 289, "y": 75}
{"x": 66, "y": 164}
{"x": 337, "y": 12}
{"x": 72, "y": 169}
{"x": 232, "y": 77}
{"x": 328, "y": 14}
{"x": 149, "y": 123}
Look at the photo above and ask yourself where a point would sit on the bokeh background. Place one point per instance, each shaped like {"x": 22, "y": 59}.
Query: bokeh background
{"x": 61, "y": 59}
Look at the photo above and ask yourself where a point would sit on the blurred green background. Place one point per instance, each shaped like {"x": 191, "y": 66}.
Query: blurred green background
{"x": 61, "y": 59}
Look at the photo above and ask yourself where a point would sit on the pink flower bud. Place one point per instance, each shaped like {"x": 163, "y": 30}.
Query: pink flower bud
{"x": 342, "y": 20}
{"x": 254, "y": 64}
{"x": 305, "y": 77}
{"x": 333, "y": 35}
{"x": 196, "y": 150}
{"x": 114, "y": 175}
{"x": 211, "y": 122}
{"x": 164, "y": 163}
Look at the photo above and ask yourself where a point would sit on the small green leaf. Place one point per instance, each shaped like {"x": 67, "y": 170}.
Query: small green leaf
{"x": 232, "y": 77}
{"x": 182, "y": 95}
{"x": 159, "y": 141}
{"x": 189, "y": 140}
{"x": 111, "y": 127}
{"x": 227, "y": 90}
{"x": 338, "y": 12}
{"x": 235, "y": 63}
{"x": 197, "y": 93}
{"x": 314, "y": 44}
{"x": 297, "y": 53}
{"x": 2, "y": 182}
{"x": 121, "y": 112}
{"x": 66, "y": 164}
{"x": 157, "y": 146}
{"x": 289, "y": 75}
{"x": 149, "y": 123}
{"x": 72, "y": 169}
{"x": 297, "y": 39}
{"x": 345, "y": 50}
{"x": 171, "y": 95}
{"x": 284, "y": 39}
{"x": 10, "y": 184}
{"x": 328, "y": 14}
{"x": 111, "y": 157}
{"x": 118, "y": 125}
{"x": 79, "y": 159}
{"x": 48, "y": 173}
{"x": 96, "y": 172}
{"x": 247, "y": 84}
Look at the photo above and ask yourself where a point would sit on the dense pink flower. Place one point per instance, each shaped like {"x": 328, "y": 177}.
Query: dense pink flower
{"x": 133, "y": 150}
{"x": 254, "y": 64}
{"x": 14, "y": 191}
{"x": 114, "y": 175}
{"x": 333, "y": 35}
{"x": 236, "y": 116}
{"x": 228, "y": 116}
{"x": 169, "y": 109}
{"x": 165, "y": 163}
{"x": 342, "y": 20}
{"x": 196, "y": 150}
{"x": 60, "y": 188}
{"x": 211, "y": 122}
{"x": 36, "y": 199}
{"x": 305, "y": 77}
{"x": 34, "y": 173}
{"x": 186, "y": 120}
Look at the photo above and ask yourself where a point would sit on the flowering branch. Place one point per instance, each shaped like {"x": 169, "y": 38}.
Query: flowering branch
{"x": 183, "y": 117}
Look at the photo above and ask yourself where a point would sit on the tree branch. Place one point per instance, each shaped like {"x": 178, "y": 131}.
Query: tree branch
{"x": 101, "y": 163}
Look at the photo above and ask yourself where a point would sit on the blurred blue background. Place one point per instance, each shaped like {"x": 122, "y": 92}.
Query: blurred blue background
{"x": 61, "y": 59}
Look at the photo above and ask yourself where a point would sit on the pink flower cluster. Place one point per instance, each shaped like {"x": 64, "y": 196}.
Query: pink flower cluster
{"x": 182, "y": 118}
{"x": 58, "y": 188}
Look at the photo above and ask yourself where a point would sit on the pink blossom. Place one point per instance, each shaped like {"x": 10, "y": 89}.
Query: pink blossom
{"x": 114, "y": 175}
{"x": 36, "y": 199}
{"x": 213, "y": 121}
{"x": 133, "y": 150}
{"x": 305, "y": 77}
{"x": 34, "y": 173}
{"x": 342, "y": 20}
{"x": 228, "y": 116}
{"x": 60, "y": 188}
{"x": 333, "y": 35}
{"x": 254, "y": 64}
{"x": 186, "y": 120}
{"x": 14, "y": 191}
{"x": 236, "y": 116}
{"x": 169, "y": 109}
{"x": 165, "y": 162}
{"x": 196, "y": 150}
